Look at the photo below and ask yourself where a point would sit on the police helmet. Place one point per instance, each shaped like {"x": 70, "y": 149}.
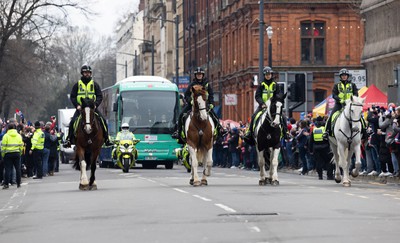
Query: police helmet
{"x": 344, "y": 72}
{"x": 86, "y": 68}
{"x": 125, "y": 126}
{"x": 199, "y": 70}
{"x": 267, "y": 69}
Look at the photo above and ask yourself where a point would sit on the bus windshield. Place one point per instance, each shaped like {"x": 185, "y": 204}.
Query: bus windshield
{"x": 149, "y": 112}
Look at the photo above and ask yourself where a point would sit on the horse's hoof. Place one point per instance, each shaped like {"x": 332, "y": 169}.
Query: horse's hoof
{"x": 338, "y": 180}
{"x": 204, "y": 182}
{"x": 347, "y": 184}
{"x": 93, "y": 187}
{"x": 354, "y": 174}
{"x": 83, "y": 187}
{"x": 191, "y": 182}
{"x": 262, "y": 183}
{"x": 268, "y": 181}
{"x": 275, "y": 183}
{"x": 196, "y": 183}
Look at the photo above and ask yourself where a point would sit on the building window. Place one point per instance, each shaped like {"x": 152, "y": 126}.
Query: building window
{"x": 319, "y": 95}
{"x": 312, "y": 42}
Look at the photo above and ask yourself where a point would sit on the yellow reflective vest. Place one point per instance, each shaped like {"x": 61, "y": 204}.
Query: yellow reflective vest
{"x": 345, "y": 91}
{"x": 12, "y": 142}
{"x": 318, "y": 133}
{"x": 85, "y": 91}
{"x": 38, "y": 140}
{"x": 268, "y": 91}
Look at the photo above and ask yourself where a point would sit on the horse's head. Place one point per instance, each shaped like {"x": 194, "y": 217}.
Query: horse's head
{"x": 276, "y": 108}
{"x": 354, "y": 108}
{"x": 87, "y": 112}
{"x": 200, "y": 97}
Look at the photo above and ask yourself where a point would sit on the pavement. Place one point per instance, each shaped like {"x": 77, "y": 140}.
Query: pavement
{"x": 365, "y": 178}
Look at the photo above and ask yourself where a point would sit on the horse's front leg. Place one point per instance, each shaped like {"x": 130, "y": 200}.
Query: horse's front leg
{"x": 84, "y": 183}
{"x": 208, "y": 164}
{"x": 338, "y": 177}
{"x": 357, "y": 153}
{"x": 344, "y": 155}
{"x": 195, "y": 165}
{"x": 261, "y": 164}
{"x": 273, "y": 168}
{"x": 93, "y": 166}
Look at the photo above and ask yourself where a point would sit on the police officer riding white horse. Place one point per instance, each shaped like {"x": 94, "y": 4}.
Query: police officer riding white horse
{"x": 199, "y": 79}
{"x": 86, "y": 87}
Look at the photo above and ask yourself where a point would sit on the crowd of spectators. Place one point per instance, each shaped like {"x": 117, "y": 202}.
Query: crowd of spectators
{"x": 380, "y": 149}
{"x": 28, "y": 166}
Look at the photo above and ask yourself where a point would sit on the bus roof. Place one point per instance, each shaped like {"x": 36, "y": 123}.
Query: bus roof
{"x": 144, "y": 78}
{"x": 145, "y": 82}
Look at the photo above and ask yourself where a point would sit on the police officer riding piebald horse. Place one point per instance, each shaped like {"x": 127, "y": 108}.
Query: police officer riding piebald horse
{"x": 199, "y": 79}
{"x": 86, "y": 87}
{"x": 264, "y": 92}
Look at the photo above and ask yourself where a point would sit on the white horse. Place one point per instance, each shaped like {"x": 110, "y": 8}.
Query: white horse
{"x": 199, "y": 130}
{"x": 268, "y": 136}
{"x": 347, "y": 140}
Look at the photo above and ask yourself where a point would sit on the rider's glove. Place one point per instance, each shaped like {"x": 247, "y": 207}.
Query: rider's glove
{"x": 210, "y": 106}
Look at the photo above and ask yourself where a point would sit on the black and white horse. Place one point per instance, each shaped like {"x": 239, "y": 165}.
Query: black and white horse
{"x": 267, "y": 135}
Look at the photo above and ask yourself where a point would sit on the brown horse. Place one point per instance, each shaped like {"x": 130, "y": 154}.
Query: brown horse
{"x": 199, "y": 129}
{"x": 89, "y": 139}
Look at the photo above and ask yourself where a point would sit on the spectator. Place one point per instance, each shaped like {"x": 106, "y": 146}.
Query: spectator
{"x": 12, "y": 146}
{"x": 302, "y": 138}
{"x": 233, "y": 147}
{"x": 385, "y": 125}
{"x": 37, "y": 150}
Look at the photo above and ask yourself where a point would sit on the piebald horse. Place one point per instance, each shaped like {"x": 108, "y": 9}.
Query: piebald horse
{"x": 199, "y": 129}
{"x": 347, "y": 140}
{"x": 267, "y": 135}
{"x": 89, "y": 139}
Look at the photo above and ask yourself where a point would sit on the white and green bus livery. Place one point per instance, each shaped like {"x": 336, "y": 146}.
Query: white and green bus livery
{"x": 150, "y": 105}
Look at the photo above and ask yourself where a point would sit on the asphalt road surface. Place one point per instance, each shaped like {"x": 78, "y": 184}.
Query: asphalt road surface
{"x": 159, "y": 205}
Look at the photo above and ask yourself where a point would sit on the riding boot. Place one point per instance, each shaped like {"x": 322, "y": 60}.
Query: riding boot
{"x": 69, "y": 139}
{"x": 328, "y": 129}
{"x": 248, "y": 137}
{"x": 107, "y": 141}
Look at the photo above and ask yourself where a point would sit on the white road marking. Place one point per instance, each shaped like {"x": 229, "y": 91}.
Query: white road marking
{"x": 350, "y": 194}
{"x": 226, "y": 208}
{"x": 254, "y": 229}
{"x": 179, "y": 190}
{"x": 363, "y": 197}
{"x": 202, "y": 198}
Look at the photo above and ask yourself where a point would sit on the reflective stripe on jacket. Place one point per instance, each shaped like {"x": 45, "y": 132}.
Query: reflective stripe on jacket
{"x": 347, "y": 91}
{"x": 318, "y": 133}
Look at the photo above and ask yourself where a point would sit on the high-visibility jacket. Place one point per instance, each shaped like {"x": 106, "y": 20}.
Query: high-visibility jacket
{"x": 125, "y": 136}
{"x": 12, "y": 142}
{"x": 268, "y": 91}
{"x": 38, "y": 140}
{"x": 318, "y": 133}
{"x": 85, "y": 91}
{"x": 345, "y": 91}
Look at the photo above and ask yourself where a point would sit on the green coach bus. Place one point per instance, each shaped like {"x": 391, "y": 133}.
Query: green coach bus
{"x": 150, "y": 105}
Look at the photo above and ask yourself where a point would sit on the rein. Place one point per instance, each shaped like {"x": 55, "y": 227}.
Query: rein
{"x": 350, "y": 122}
{"x": 93, "y": 123}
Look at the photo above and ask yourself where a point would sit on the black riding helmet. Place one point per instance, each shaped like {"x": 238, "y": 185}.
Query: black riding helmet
{"x": 86, "y": 68}
{"x": 268, "y": 69}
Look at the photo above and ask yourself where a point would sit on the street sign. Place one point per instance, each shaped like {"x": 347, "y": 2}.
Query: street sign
{"x": 230, "y": 99}
{"x": 183, "y": 83}
{"x": 359, "y": 77}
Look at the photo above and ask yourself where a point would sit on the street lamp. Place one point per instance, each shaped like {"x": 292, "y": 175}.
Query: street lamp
{"x": 126, "y": 68}
{"x": 261, "y": 44}
{"x": 269, "y": 33}
{"x": 134, "y": 61}
{"x": 152, "y": 50}
{"x": 176, "y": 22}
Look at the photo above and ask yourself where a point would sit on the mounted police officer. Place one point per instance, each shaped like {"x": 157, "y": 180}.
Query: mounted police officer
{"x": 199, "y": 79}
{"x": 341, "y": 92}
{"x": 264, "y": 92}
{"x": 86, "y": 87}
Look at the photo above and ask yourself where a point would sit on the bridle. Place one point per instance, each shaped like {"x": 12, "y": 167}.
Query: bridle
{"x": 350, "y": 121}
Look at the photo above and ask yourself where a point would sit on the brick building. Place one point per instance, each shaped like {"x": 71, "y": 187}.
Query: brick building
{"x": 317, "y": 37}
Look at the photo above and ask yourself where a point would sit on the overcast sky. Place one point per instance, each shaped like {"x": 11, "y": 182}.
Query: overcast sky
{"x": 110, "y": 12}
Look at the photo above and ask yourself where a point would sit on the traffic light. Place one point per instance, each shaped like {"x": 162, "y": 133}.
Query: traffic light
{"x": 292, "y": 96}
{"x": 300, "y": 80}
{"x": 297, "y": 90}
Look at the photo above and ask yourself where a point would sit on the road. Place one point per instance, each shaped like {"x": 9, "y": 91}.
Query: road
{"x": 160, "y": 206}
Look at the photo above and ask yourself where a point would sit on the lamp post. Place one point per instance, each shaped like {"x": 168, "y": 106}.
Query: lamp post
{"x": 261, "y": 44}
{"x": 152, "y": 50}
{"x": 269, "y": 33}
{"x": 126, "y": 68}
{"x": 176, "y": 22}
{"x": 134, "y": 62}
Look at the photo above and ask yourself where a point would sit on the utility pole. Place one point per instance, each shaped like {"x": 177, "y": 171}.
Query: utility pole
{"x": 261, "y": 49}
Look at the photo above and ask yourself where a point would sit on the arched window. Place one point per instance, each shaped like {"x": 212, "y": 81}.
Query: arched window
{"x": 312, "y": 42}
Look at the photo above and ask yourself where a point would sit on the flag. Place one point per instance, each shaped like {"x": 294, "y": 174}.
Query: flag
{"x": 18, "y": 112}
